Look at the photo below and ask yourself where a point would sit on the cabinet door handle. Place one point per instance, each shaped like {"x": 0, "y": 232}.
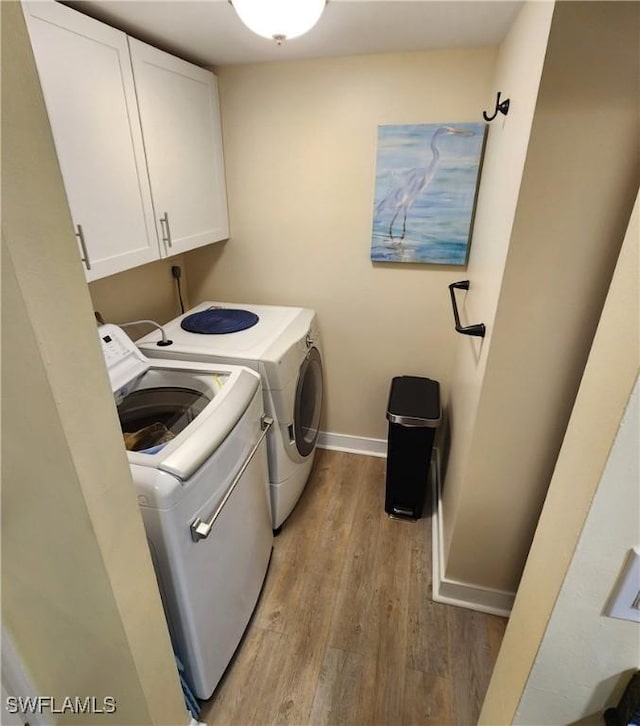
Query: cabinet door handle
{"x": 85, "y": 254}
{"x": 201, "y": 530}
{"x": 166, "y": 230}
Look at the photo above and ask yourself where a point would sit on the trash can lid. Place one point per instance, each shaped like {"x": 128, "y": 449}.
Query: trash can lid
{"x": 414, "y": 401}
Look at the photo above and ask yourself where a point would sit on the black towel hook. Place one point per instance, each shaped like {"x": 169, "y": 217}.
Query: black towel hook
{"x": 479, "y": 328}
{"x": 503, "y": 107}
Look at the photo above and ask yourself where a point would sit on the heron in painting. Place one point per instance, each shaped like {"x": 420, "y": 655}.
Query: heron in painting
{"x": 400, "y": 198}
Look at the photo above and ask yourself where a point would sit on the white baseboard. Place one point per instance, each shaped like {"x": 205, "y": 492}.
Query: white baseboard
{"x": 352, "y": 444}
{"x": 454, "y": 592}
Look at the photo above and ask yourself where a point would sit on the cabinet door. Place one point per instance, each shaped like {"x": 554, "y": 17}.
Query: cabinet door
{"x": 180, "y": 117}
{"x": 86, "y": 78}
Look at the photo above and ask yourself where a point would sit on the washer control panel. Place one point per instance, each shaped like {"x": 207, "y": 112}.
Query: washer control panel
{"x": 113, "y": 349}
{"x": 124, "y": 361}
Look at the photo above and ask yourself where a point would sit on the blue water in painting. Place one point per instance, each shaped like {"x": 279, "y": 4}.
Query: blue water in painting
{"x": 439, "y": 217}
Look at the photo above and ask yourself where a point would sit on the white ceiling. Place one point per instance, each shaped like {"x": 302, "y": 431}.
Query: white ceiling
{"x": 209, "y": 32}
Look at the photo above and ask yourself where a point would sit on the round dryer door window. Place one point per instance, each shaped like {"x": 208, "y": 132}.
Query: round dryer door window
{"x": 306, "y": 415}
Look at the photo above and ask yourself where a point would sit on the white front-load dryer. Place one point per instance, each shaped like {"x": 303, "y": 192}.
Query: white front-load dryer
{"x": 284, "y": 347}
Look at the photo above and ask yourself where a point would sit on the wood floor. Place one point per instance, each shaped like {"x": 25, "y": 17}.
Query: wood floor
{"x": 345, "y": 631}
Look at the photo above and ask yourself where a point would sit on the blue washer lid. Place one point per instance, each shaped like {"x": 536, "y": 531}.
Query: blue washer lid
{"x": 218, "y": 321}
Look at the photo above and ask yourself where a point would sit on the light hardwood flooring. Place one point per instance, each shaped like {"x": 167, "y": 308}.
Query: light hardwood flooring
{"x": 345, "y": 631}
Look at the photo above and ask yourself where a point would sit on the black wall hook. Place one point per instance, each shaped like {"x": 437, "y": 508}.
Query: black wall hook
{"x": 503, "y": 107}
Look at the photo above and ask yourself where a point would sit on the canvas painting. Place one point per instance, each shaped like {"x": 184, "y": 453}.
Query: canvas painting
{"x": 426, "y": 183}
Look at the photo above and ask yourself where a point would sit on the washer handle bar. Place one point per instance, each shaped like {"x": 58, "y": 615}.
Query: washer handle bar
{"x": 201, "y": 530}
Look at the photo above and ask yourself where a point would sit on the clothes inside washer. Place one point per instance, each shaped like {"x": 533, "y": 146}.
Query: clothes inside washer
{"x": 148, "y": 437}
{"x": 154, "y": 416}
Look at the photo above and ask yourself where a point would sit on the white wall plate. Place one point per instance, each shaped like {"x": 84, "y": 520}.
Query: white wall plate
{"x": 624, "y": 602}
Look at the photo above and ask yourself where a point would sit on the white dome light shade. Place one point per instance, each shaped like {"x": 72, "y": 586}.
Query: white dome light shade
{"x": 279, "y": 19}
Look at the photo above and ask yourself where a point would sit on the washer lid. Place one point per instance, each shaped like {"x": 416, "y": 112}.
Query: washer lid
{"x": 220, "y": 394}
{"x": 152, "y": 416}
{"x": 231, "y": 391}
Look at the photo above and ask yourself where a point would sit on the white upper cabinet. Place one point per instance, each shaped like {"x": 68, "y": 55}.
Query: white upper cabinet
{"x": 137, "y": 134}
{"x": 87, "y": 82}
{"x": 180, "y": 118}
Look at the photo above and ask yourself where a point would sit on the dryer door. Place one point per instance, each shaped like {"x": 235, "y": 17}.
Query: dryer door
{"x": 308, "y": 403}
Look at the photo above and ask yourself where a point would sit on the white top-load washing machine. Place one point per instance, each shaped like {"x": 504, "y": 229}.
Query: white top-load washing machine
{"x": 197, "y": 452}
{"x": 284, "y": 347}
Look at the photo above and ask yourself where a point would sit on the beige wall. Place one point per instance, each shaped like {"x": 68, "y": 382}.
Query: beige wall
{"x": 146, "y": 292}
{"x": 519, "y": 67}
{"x": 599, "y": 648}
{"x": 79, "y": 596}
{"x": 578, "y": 188}
{"x": 300, "y": 148}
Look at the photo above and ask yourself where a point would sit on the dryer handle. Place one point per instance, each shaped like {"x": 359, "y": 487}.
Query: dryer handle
{"x": 201, "y": 530}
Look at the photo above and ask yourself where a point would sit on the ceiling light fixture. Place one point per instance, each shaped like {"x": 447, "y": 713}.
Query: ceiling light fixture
{"x": 279, "y": 19}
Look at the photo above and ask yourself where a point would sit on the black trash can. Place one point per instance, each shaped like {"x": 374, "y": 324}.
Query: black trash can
{"x": 414, "y": 414}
